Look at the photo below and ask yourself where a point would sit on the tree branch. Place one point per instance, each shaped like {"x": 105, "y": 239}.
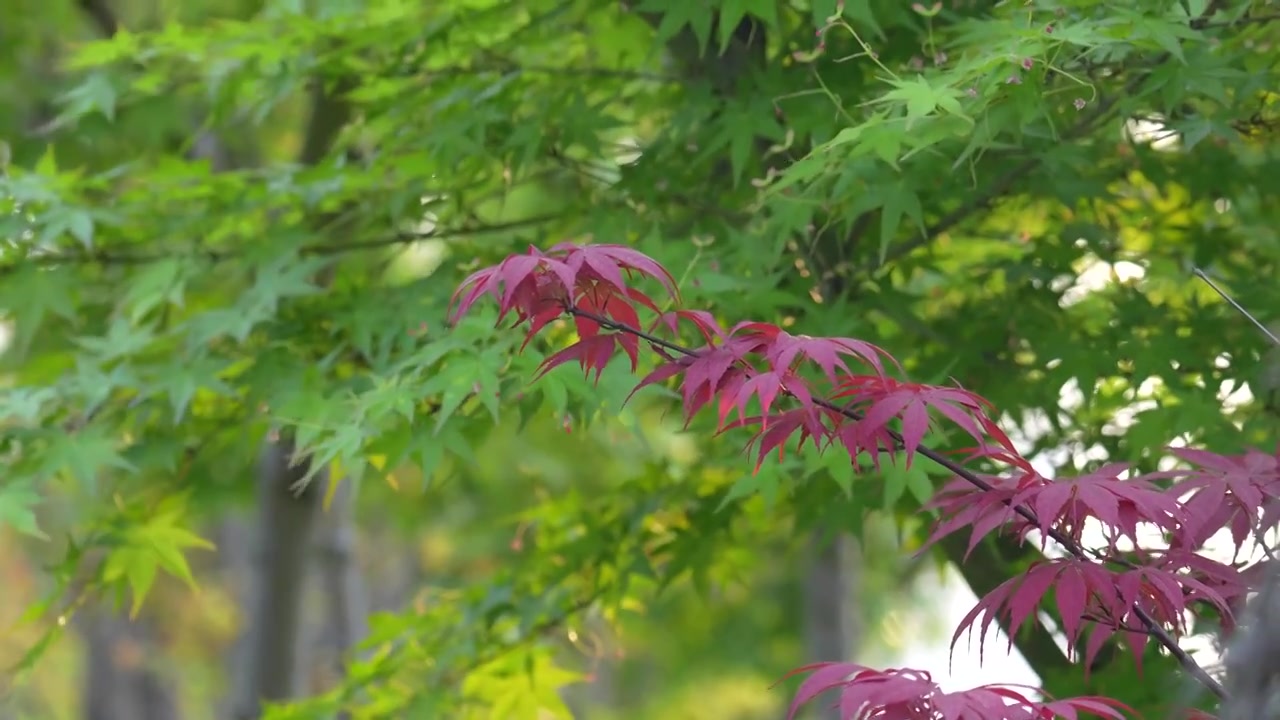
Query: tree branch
{"x": 317, "y": 250}
{"x": 103, "y": 17}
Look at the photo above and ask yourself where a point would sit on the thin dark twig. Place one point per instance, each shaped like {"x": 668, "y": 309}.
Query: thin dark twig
{"x": 553, "y": 70}
{"x": 1241, "y": 22}
{"x": 1159, "y": 633}
{"x": 320, "y": 249}
{"x": 1239, "y": 308}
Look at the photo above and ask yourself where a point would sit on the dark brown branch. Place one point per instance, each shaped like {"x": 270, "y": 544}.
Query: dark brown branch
{"x": 502, "y": 66}
{"x": 103, "y": 17}
{"x": 318, "y": 250}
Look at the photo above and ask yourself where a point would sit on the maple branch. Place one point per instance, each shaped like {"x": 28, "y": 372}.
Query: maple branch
{"x": 507, "y": 66}
{"x": 1261, "y": 19}
{"x": 320, "y": 249}
{"x": 1153, "y": 627}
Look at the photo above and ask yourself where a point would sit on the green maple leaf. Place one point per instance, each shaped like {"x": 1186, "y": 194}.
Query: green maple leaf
{"x": 31, "y": 294}
{"x": 17, "y": 509}
{"x": 83, "y": 455}
{"x": 146, "y": 548}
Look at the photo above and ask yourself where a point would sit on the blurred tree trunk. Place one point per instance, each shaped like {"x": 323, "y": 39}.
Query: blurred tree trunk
{"x": 344, "y": 622}
{"x": 832, "y": 623}
{"x": 286, "y": 517}
{"x": 1253, "y": 657}
{"x": 120, "y": 681}
{"x": 234, "y": 540}
{"x": 340, "y": 572}
{"x": 285, "y": 520}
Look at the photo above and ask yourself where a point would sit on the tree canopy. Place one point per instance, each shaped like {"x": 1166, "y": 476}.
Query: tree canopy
{"x": 231, "y": 225}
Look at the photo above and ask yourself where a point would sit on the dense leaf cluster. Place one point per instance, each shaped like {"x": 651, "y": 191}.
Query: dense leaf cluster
{"x": 1138, "y": 594}
{"x": 223, "y": 222}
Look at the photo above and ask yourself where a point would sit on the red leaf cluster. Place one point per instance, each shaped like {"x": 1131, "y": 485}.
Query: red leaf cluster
{"x": 867, "y": 694}
{"x": 1240, "y": 492}
{"x": 1119, "y": 589}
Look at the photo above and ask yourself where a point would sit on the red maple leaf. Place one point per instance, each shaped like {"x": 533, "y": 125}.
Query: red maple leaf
{"x": 1205, "y": 579}
{"x": 522, "y": 283}
{"x": 605, "y": 262}
{"x": 1066, "y": 503}
{"x": 1227, "y": 491}
{"x": 961, "y": 504}
{"x": 880, "y": 399}
{"x": 713, "y": 369}
{"x": 776, "y": 429}
{"x": 784, "y": 350}
{"x": 702, "y": 320}
{"x": 906, "y": 694}
{"x": 528, "y": 283}
{"x": 592, "y": 353}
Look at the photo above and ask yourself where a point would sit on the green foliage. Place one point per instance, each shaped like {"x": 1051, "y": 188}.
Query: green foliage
{"x": 934, "y": 181}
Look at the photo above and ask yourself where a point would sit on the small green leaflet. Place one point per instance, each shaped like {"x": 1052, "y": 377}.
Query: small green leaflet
{"x": 767, "y": 480}
{"x": 697, "y": 14}
{"x": 345, "y": 445}
{"x": 24, "y": 405}
{"x": 63, "y": 219}
{"x": 96, "y": 93}
{"x": 899, "y": 479}
{"x": 17, "y": 509}
{"x": 822, "y": 9}
{"x": 899, "y": 199}
{"x": 460, "y": 379}
{"x": 31, "y": 294}
{"x": 181, "y": 382}
{"x": 123, "y": 338}
{"x": 83, "y": 455}
{"x": 922, "y": 99}
{"x": 145, "y": 548}
{"x": 836, "y": 463}
{"x": 733, "y": 11}
{"x": 157, "y": 284}
{"x": 284, "y": 276}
